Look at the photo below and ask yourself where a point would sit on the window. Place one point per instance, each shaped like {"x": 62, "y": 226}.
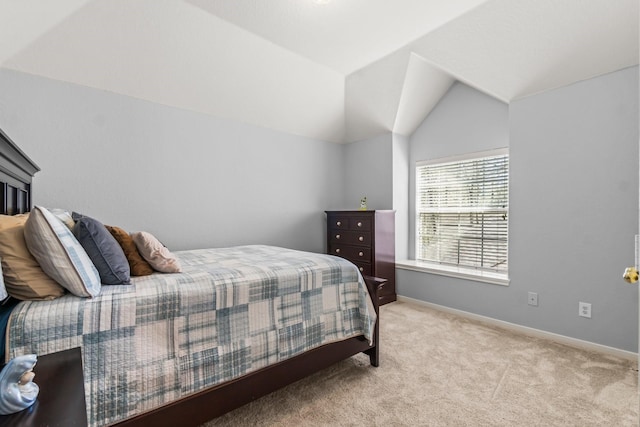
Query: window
{"x": 462, "y": 211}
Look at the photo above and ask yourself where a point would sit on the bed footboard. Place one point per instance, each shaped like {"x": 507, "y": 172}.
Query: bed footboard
{"x": 374, "y": 286}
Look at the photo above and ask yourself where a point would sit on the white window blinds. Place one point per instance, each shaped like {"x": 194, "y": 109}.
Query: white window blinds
{"x": 462, "y": 211}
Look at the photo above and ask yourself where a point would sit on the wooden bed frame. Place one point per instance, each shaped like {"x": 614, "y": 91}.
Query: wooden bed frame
{"x": 16, "y": 172}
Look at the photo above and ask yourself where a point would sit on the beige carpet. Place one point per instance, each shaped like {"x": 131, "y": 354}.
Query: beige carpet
{"x": 439, "y": 369}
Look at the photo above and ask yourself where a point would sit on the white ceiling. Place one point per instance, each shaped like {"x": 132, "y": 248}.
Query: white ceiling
{"x": 341, "y": 71}
{"x": 344, "y": 35}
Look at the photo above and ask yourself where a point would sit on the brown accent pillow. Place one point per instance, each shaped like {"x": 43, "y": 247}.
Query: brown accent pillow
{"x": 24, "y": 279}
{"x": 139, "y": 267}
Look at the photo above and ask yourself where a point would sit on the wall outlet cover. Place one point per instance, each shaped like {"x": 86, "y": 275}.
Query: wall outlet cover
{"x": 584, "y": 309}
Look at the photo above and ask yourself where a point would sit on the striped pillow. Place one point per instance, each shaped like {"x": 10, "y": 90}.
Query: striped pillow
{"x": 59, "y": 254}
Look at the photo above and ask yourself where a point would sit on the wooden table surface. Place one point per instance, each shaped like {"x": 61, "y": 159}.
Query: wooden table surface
{"x": 61, "y": 399}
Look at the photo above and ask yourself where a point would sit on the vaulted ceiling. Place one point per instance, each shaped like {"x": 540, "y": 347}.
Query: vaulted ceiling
{"x": 342, "y": 70}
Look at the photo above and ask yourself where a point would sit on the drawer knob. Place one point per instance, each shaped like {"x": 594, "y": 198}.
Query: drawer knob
{"x": 339, "y": 223}
{"x": 360, "y": 254}
{"x": 361, "y": 269}
{"x": 359, "y": 224}
{"x": 337, "y": 236}
{"x": 338, "y": 250}
{"x": 361, "y": 238}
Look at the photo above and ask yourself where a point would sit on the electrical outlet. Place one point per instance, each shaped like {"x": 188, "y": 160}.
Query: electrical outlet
{"x": 584, "y": 309}
{"x": 533, "y": 299}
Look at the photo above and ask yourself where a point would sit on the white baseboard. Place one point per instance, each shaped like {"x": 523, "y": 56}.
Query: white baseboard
{"x": 574, "y": 342}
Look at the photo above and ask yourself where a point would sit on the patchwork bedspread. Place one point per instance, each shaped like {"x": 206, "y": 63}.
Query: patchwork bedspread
{"x": 231, "y": 311}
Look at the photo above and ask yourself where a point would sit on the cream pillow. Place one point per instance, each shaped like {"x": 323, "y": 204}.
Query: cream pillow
{"x": 23, "y": 277}
{"x": 59, "y": 253}
{"x": 156, "y": 254}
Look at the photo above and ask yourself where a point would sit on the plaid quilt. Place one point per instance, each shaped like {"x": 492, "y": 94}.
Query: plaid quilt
{"x": 230, "y": 312}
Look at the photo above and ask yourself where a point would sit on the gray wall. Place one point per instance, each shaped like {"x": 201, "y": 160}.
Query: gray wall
{"x": 573, "y": 205}
{"x": 378, "y": 167}
{"x": 574, "y": 189}
{"x": 368, "y": 172}
{"x": 191, "y": 179}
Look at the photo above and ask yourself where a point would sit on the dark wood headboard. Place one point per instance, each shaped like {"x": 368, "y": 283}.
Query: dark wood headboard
{"x": 16, "y": 173}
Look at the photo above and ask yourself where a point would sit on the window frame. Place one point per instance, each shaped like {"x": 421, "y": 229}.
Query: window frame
{"x": 461, "y": 271}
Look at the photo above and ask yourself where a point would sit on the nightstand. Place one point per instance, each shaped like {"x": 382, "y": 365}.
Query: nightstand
{"x": 61, "y": 399}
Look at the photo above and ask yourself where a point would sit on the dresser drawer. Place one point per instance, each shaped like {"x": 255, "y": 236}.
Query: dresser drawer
{"x": 364, "y": 267}
{"x": 350, "y": 237}
{"x": 350, "y": 223}
{"x": 352, "y": 253}
{"x": 338, "y": 223}
{"x": 360, "y": 223}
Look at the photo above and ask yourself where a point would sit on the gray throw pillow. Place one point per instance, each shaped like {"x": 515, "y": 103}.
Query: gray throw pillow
{"x": 103, "y": 250}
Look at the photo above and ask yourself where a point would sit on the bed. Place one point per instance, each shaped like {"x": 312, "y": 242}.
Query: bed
{"x": 183, "y": 348}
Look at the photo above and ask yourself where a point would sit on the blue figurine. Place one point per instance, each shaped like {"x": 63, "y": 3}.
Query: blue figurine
{"x": 17, "y": 389}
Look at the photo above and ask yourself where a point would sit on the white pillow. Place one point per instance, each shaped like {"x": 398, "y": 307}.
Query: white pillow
{"x": 156, "y": 254}
{"x": 59, "y": 254}
{"x": 3, "y": 291}
{"x": 64, "y": 216}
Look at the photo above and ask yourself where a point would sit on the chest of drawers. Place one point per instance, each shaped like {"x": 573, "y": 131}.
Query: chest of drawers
{"x": 366, "y": 238}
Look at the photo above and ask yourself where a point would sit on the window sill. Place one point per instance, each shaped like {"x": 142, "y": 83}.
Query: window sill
{"x": 451, "y": 271}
